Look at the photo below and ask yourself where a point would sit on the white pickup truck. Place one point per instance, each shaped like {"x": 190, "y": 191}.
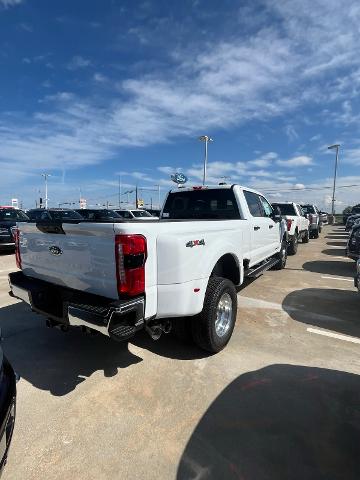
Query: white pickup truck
{"x": 118, "y": 278}
{"x": 297, "y": 224}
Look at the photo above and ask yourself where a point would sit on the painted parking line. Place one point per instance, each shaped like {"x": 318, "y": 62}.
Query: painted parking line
{"x": 325, "y": 333}
{"x": 338, "y": 278}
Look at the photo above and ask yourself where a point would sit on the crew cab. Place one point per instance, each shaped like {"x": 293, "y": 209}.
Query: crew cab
{"x": 312, "y": 213}
{"x": 120, "y": 277}
{"x": 297, "y": 224}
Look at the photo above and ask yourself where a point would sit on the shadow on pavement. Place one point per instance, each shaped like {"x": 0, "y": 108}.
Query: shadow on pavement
{"x": 331, "y": 267}
{"x": 329, "y": 308}
{"x": 279, "y": 423}
{"x": 337, "y": 244}
{"x": 169, "y": 346}
{"x": 6, "y": 253}
{"x": 55, "y": 361}
{"x": 334, "y": 252}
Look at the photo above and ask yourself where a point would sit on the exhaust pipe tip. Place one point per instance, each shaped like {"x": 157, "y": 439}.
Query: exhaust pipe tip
{"x": 166, "y": 327}
{"x": 154, "y": 331}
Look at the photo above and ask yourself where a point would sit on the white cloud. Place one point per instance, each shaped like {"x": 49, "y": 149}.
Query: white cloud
{"x": 291, "y": 133}
{"x": 264, "y": 160}
{"x": 100, "y": 78}
{"x": 299, "y": 161}
{"x": 26, "y": 27}
{"x": 10, "y": 3}
{"x": 78, "y": 62}
{"x": 251, "y": 77}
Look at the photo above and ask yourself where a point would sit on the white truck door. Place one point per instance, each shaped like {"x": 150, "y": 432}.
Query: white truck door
{"x": 273, "y": 238}
{"x": 303, "y": 219}
{"x": 261, "y": 230}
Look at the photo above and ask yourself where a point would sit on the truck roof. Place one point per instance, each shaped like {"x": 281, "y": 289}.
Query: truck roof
{"x": 213, "y": 187}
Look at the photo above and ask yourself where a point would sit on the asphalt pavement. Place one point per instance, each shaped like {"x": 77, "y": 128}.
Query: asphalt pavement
{"x": 282, "y": 401}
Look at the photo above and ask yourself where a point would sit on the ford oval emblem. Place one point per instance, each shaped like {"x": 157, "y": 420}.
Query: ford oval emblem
{"x": 54, "y": 250}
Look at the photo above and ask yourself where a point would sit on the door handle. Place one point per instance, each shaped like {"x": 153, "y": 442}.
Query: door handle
{"x": 256, "y": 228}
{"x": 271, "y": 226}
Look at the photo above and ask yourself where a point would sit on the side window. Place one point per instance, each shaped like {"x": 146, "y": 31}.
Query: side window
{"x": 254, "y": 204}
{"x": 266, "y": 207}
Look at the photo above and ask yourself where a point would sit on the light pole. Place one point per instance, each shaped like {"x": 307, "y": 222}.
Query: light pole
{"x": 331, "y": 147}
{"x": 120, "y": 191}
{"x": 46, "y": 175}
{"x": 158, "y": 189}
{"x": 206, "y": 139}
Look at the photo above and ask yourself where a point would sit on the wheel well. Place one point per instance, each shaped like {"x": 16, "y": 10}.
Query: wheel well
{"x": 227, "y": 267}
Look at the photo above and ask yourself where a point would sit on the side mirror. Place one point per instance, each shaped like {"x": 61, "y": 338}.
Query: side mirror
{"x": 276, "y": 215}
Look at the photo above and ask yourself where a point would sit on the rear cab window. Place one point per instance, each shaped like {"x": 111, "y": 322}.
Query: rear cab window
{"x": 286, "y": 208}
{"x": 204, "y": 204}
{"x": 308, "y": 209}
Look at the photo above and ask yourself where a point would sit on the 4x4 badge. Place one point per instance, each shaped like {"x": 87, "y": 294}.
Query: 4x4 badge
{"x": 195, "y": 243}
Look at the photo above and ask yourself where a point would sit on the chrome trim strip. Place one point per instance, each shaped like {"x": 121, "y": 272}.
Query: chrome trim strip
{"x": 74, "y": 315}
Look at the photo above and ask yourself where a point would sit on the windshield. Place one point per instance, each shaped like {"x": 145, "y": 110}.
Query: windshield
{"x": 308, "y": 208}
{"x": 285, "y": 208}
{"x": 12, "y": 214}
{"x": 201, "y": 204}
{"x": 140, "y": 213}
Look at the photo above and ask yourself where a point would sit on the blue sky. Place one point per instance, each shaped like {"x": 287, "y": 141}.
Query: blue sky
{"x": 94, "y": 89}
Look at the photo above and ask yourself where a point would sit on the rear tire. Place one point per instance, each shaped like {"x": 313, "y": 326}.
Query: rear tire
{"x": 213, "y": 327}
{"x": 282, "y": 256}
{"x": 293, "y": 245}
{"x": 306, "y": 237}
{"x": 316, "y": 233}
{"x": 320, "y": 228}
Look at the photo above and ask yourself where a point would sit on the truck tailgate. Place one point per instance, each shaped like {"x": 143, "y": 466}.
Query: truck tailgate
{"x": 81, "y": 256}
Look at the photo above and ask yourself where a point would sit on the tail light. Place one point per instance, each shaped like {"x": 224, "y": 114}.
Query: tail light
{"x": 130, "y": 255}
{"x": 289, "y": 222}
{"x": 16, "y": 235}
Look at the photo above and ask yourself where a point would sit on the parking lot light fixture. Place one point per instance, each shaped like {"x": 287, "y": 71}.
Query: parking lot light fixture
{"x": 206, "y": 139}
{"x": 336, "y": 146}
{"x": 46, "y": 175}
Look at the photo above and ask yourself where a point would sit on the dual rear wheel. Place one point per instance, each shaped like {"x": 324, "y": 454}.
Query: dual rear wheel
{"x": 211, "y": 330}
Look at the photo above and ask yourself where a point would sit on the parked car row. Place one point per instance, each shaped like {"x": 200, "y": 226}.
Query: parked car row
{"x": 303, "y": 222}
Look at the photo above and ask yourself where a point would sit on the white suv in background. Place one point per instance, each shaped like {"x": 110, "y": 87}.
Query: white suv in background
{"x": 297, "y": 224}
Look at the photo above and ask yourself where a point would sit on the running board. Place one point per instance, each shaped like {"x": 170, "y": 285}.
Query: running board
{"x": 257, "y": 271}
